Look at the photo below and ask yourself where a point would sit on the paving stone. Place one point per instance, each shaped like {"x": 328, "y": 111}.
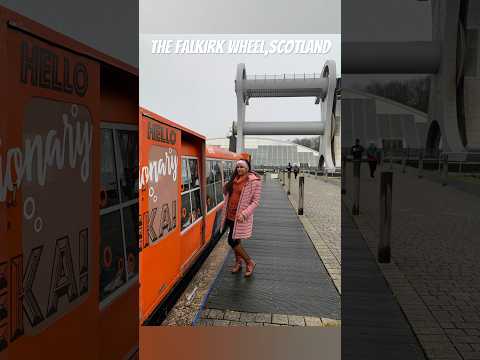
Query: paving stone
{"x": 464, "y": 347}
{"x": 271, "y": 324}
{"x": 313, "y": 321}
{"x": 215, "y": 314}
{"x": 263, "y": 318}
{"x": 447, "y": 325}
{"x": 204, "y": 314}
{"x": 221, "y": 322}
{"x": 247, "y": 317}
{"x": 280, "y": 319}
{"x": 443, "y": 354}
{"x": 237, "y": 323}
{"x": 456, "y": 332}
{"x": 431, "y": 331}
{"x": 254, "y": 324}
{"x": 232, "y": 315}
{"x": 296, "y": 320}
{"x": 470, "y": 355}
{"x": 330, "y": 322}
{"x": 462, "y": 339}
{"x": 204, "y": 322}
{"x": 467, "y": 325}
{"x": 432, "y": 338}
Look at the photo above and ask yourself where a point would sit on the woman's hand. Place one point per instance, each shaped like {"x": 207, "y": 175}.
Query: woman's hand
{"x": 241, "y": 218}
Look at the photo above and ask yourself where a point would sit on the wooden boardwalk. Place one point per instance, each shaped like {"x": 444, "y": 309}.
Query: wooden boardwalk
{"x": 289, "y": 278}
{"x": 373, "y": 325}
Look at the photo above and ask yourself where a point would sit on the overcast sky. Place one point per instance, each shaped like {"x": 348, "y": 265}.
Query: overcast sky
{"x": 240, "y": 17}
{"x": 112, "y": 26}
{"x": 198, "y": 91}
{"x": 365, "y": 20}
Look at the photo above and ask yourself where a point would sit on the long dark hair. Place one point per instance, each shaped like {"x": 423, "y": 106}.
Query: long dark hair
{"x": 229, "y": 184}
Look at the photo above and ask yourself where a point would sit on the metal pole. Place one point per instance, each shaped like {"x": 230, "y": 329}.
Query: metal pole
{"x": 385, "y": 216}
{"x": 391, "y": 160}
{"x": 289, "y": 182}
{"x": 420, "y": 165}
{"x": 301, "y": 184}
{"x": 344, "y": 177}
{"x": 445, "y": 169}
{"x": 356, "y": 187}
{"x": 460, "y": 167}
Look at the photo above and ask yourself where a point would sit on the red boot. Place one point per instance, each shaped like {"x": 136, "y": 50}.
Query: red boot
{"x": 238, "y": 265}
{"x": 250, "y": 266}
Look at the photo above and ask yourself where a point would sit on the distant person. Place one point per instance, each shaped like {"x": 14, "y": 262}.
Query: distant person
{"x": 289, "y": 168}
{"x": 242, "y": 196}
{"x": 357, "y": 151}
{"x": 296, "y": 170}
{"x": 372, "y": 157}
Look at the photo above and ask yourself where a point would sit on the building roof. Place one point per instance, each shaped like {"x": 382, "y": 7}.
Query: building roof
{"x": 252, "y": 142}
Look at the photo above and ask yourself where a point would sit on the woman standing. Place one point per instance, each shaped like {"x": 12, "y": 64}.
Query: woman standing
{"x": 242, "y": 196}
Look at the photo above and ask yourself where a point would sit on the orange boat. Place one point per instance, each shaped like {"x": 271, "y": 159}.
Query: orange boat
{"x": 180, "y": 181}
{"x": 68, "y": 200}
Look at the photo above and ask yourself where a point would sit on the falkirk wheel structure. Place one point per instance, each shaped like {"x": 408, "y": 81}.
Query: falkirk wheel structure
{"x": 321, "y": 86}
{"x": 452, "y": 59}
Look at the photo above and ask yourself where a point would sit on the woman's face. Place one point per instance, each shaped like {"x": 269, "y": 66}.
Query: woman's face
{"x": 242, "y": 169}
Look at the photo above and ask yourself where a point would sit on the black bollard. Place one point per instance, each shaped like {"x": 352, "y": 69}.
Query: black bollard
{"x": 420, "y": 165}
{"x": 301, "y": 184}
{"x": 289, "y": 182}
{"x": 356, "y": 187}
{"x": 385, "y": 216}
{"x": 445, "y": 170}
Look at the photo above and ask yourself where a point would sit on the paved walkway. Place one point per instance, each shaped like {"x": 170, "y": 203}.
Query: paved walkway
{"x": 436, "y": 252}
{"x": 290, "y": 285}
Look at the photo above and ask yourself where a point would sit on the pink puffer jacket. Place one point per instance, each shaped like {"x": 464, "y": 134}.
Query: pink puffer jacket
{"x": 249, "y": 200}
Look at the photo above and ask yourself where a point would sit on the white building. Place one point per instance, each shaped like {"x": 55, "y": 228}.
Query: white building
{"x": 267, "y": 152}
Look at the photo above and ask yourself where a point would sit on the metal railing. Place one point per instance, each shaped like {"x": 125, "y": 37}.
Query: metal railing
{"x": 296, "y": 76}
{"x": 428, "y": 162}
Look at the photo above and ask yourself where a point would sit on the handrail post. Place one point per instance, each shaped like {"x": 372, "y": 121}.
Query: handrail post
{"x": 344, "y": 177}
{"x": 404, "y": 163}
{"x": 445, "y": 169}
{"x": 383, "y": 254}
{"x": 289, "y": 182}
{"x": 301, "y": 184}
{"x": 356, "y": 187}
{"x": 420, "y": 164}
